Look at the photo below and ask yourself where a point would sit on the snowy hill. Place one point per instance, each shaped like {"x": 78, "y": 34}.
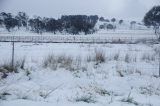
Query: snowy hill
{"x": 125, "y": 25}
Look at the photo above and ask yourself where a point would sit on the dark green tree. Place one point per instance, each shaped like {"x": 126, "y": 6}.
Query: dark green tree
{"x": 152, "y": 18}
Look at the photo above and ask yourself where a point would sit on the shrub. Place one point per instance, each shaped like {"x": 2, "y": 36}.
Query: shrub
{"x": 111, "y": 27}
{"x": 101, "y": 27}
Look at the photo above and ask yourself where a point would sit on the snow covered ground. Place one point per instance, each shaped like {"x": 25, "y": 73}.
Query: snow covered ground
{"x": 69, "y": 74}
{"x": 102, "y": 32}
{"x": 126, "y": 77}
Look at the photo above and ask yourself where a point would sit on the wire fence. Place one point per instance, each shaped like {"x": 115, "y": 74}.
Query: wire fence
{"x": 78, "y": 39}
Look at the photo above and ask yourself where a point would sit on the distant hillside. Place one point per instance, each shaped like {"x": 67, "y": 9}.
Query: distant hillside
{"x": 121, "y": 25}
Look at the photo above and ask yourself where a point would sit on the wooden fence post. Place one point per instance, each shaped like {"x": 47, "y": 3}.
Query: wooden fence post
{"x": 159, "y": 63}
{"x": 13, "y": 55}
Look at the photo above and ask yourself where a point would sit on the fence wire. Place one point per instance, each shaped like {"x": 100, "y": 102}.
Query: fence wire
{"x": 77, "y": 39}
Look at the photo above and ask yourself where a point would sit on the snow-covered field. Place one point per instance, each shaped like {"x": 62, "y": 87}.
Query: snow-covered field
{"x": 126, "y": 77}
{"x": 108, "y": 33}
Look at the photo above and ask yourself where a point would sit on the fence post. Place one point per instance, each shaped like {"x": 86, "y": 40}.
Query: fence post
{"x": 159, "y": 63}
{"x": 13, "y": 55}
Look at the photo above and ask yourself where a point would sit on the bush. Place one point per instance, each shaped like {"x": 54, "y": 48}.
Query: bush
{"x": 110, "y": 26}
{"x": 101, "y": 27}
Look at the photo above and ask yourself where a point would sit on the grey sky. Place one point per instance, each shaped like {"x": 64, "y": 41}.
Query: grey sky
{"x": 127, "y": 9}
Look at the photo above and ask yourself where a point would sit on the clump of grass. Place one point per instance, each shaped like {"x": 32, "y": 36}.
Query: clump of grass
{"x": 127, "y": 58}
{"x": 62, "y": 61}
{"x": 66, "y": 62}
{"x": 99, "y": 56}
{"x": 120, "y": 73}
{"x": 116, "y": 57}
{"x": 87, "y": 99}
{"x": 89, "y": 58}
{"x": 50, "y": 61}
{"x": 22, "y": 63}
{"x": 148, "y": 90}
{"x": 130, "y": 100}
{"x": 8, "y": 67}
{"x": 148, "y": 57}
{"x": 125, "y": 72}
{"x": 157, "y": 50}
{"x": 3, "y": 95}
{"x": 103, "y": 92}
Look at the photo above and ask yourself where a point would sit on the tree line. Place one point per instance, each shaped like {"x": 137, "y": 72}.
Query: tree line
{"x": 72, "y": 24}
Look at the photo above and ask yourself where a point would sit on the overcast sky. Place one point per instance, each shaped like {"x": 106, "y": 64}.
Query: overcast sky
{"x": 126, "y": 9}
